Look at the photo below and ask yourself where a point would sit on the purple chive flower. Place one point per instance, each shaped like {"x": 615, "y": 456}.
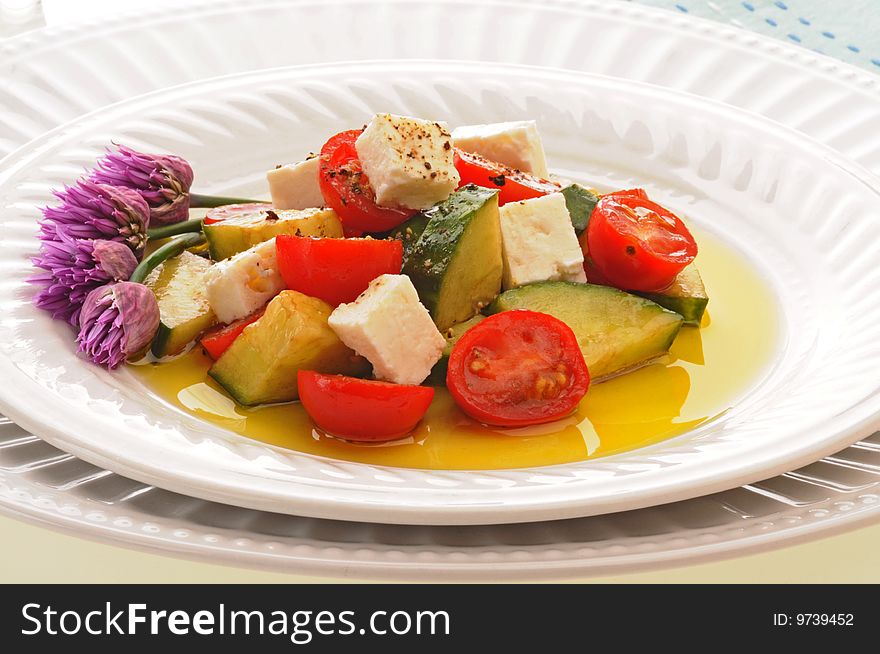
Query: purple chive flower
{"x": 117, "y": 321}
{"x": 75, "y": 267}
{"x": 97, "y": 211}
{"x": 162, "y": 180}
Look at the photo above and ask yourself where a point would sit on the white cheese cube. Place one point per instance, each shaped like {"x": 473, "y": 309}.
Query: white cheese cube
{"x": 295, "y": 186}
{"x": 539, "y": 243}
{"x": 515, "y": 144}
{"x": 390, "y": 328}
{"x": 408, "y": 161}
{"x": 241, "y": 284}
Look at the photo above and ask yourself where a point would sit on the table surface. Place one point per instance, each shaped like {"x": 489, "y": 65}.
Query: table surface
{"x": 33, "y": 554}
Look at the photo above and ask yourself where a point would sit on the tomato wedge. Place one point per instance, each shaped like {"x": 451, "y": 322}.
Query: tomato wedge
{"x": 517, "y": 368}
{"x": 362, "y": 409}
{"x": 216, "y": 341}
{"x": 513, "y": 185}
{"x": 636, "y": 244}
{"x": 227, "y": 211}
{"x": 335, "y": 270}
{"x": 347, "y": 190}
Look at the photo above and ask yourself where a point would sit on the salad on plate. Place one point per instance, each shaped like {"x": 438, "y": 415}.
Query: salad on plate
{"x": 402, "y": 257}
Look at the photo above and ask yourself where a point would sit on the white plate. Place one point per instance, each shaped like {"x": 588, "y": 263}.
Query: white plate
{"x": 48, "y": 487}
{"x": 103, "y": 61}
{"x": 739, "y": 176}
{"x": 52, "y": 76}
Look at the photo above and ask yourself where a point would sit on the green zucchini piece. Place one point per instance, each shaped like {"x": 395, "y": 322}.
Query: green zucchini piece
{"x": 686, "y": 296}
{"x": 409, "y": 232}
{"x": 617, "y": 332}
{"x": 456, "y": 265}
{"x": 242, "y": 232}
{"x": 292, "y": 335}
{"x": 580, "y": 202}
{"x": 438, "y": 372}
{"x": 184, "y": 311}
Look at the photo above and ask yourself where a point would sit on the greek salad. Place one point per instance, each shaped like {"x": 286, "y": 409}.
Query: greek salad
{"x": 401, "y": 257}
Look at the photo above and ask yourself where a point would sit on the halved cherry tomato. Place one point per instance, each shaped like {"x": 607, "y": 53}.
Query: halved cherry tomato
{"x": 517, "y": 368}
{"x": 636, "y": 244}
{"x": 630, "y": 192}
{"x": 513, "y": 185}
{"x": 594, "y": 275}
{"x": 227, "y": 211}
{"x": 347, "y": 190}
{"x": 362, "y": 409}
{"x": 216, "y": 341}
{"x": 335, "y": 270}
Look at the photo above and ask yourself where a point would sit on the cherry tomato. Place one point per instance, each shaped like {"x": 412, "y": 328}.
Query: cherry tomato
{"x": 594, "y": 275}
{"x": 517, "y": 368}
{"x": 347, "y": 190}
{"x": 362, "y": 409}
{"x": 227, "y": 211}
{"x": 335, "y": 270}
{"x": 630, "y": 192}
{"x": 636, "y": 244}
{"x": 513, "y": 185}
{"x": 216, "y": 341}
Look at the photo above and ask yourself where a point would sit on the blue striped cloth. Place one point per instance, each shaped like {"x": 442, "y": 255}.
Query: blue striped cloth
{"x": 847, "y": 30}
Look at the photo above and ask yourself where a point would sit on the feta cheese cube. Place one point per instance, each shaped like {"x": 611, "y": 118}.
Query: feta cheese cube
{"x": 241, "y": 284}
{"x": 539, "y": 243}
{"x": 295, "y": 186}
{"x": 515, "y": 144}
{"x": 390, "y": 328}
{"x": 408, "y": 160}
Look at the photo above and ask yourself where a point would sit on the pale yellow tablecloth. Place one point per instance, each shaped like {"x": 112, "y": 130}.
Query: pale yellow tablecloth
{"x": 36, "y": 555}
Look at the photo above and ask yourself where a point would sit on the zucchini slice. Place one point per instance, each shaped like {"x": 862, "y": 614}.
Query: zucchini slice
{"x": 409, "y": 233}
{"x": 617, "y": 331}
{"x": 261, "y": 364}
{"x": 686, "y": 296}
{"x": 184, "y": 311}
{"x": 456, "y": 264}
{"x": 242, "y": 232}
{"x": 580, "y": 202}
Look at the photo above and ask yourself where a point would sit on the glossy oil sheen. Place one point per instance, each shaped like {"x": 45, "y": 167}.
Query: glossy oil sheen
{"x": 709, "y": 370}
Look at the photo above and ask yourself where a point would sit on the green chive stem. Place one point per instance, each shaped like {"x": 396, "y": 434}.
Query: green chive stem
{"x": 166, "y": 231}
{"x": 199, "y": 201}
{"x": 170, "y": 249}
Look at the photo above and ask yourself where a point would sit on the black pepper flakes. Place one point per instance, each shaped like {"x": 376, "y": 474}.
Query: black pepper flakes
{"x": 271, "y": 216}
{"x": 497, "y": 180}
